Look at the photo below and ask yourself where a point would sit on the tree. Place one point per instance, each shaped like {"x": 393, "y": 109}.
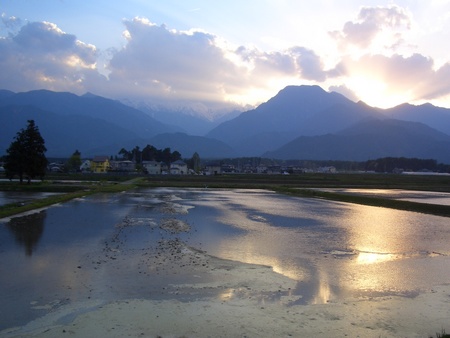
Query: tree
{"x": 126, "y": 155}
{"x": 166, "y": 156}
{"x": 149, "y": 153}
{"x": 175, "y": 156}
{"x": 74, "y": 162}
{"x": 136, "y": 155}
{"x": 26, "y": 154}
{"x": 194, "y": 163}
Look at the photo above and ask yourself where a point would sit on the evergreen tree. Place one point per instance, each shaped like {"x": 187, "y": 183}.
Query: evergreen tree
{"x": 74, "y": 162}
{"x": 26, "y": 154}
{"x": 194, "y": 162}
{"x": 149, "y": 153}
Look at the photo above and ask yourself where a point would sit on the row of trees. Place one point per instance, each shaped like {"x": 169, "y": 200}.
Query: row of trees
{"x": 390, "y": 164}
{"x": 150, "y": 153}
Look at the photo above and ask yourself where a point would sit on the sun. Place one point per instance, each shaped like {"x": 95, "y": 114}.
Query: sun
{"x": 376, "y": 93}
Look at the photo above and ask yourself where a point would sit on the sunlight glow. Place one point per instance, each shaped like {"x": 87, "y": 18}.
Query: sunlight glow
{"x": 375, "y": 92}
{"x": 373, "y": 257}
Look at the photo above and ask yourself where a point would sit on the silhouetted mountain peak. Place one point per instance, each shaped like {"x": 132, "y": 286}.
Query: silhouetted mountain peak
{"x": 291, "y": 111}
{"x": 89, "y": 95}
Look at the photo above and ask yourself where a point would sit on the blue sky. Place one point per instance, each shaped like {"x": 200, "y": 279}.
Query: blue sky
{"x": 223, "y": 53}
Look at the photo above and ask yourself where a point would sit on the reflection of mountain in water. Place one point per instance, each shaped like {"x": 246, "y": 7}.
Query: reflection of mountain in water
{"x": 28, "y": 230}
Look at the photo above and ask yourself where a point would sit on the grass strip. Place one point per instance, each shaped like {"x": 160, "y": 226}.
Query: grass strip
{"x": 15, "y": 208}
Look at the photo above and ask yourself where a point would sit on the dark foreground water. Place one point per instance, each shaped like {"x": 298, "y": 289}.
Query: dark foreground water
{"x": 96, "y": 247}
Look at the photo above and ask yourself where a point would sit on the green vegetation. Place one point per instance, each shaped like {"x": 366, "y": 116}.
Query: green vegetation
{"x": 68, "y": 192}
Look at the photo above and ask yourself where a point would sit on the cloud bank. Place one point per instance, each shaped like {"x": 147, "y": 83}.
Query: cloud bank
{"x": 157, "y": 62}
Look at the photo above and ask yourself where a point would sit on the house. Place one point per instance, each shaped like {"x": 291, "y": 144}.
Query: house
{"x": 152, "y": 167}
{"x": 85, "y": 166}
{"x": 227, "y": 168}
{"x": 55, "y": 167}
{"x": 261, "y": 169}
{"x": 100, "y": 164}
{"x": 330, "y": 169}
{"x": 178, "y": 168}
{"x": 274, "y": 169}
{"x": 212, "y": 168}
{"x": 123, "y": 166}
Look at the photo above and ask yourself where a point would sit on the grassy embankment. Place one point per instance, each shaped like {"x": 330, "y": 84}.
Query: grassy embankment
{"x": 295, "y": 185}
{"x": 66, "y": 192}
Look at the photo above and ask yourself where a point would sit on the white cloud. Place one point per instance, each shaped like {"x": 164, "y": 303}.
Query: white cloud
{"x": 40, "y": 55}
{"x": 157, "y": 62}
{"x": 371, "y": 23}
{"x": 344, "y": 90}
{"x": 198, "y": 65}
{"x": 11, "y": 22}
{"x": 411, "y": 78}
{"x": 182, "y": 64}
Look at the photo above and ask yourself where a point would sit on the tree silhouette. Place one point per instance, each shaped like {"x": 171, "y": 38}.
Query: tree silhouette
{"x": 194, "y": 162}
{"x": 149, "y": 153}
{"x": 74, "y": 162}
{"x": 26, "y": 154}
{"x": 28, "y": 230}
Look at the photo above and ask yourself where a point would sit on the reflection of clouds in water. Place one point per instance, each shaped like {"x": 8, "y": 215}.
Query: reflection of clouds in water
{"x": 138, "y": 221}
{"x": 258, "y": 218}
{"x": 175, "y": 208}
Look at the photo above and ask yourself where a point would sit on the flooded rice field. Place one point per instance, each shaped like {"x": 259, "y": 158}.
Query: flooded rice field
{"x": 431, "y": 197}
{"x": 160, "y": 244}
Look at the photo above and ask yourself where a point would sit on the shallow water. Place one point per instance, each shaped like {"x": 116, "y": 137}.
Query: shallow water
{"x": 95, "y": 247}
{"x": 430, "y": 197}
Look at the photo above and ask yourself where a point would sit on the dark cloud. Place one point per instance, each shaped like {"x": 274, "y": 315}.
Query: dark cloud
{"x": 309, "y": 64}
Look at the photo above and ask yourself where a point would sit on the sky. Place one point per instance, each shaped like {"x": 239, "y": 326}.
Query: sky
{"x": 225, "y": 53}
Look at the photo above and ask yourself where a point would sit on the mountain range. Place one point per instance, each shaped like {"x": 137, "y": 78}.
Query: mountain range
{"x": 300, "y": 122}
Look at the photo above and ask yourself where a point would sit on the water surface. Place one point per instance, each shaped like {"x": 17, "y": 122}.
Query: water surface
{"x": 96, "y": 247}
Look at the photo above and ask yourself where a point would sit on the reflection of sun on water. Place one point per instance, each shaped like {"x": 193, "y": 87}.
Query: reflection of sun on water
{"x": 324, "y": 293}
{"x": 374, "y": 231}
{"x": 378, "y": 236}
{"x": 226, "y": 294}
{"x": 372, "y": 257}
